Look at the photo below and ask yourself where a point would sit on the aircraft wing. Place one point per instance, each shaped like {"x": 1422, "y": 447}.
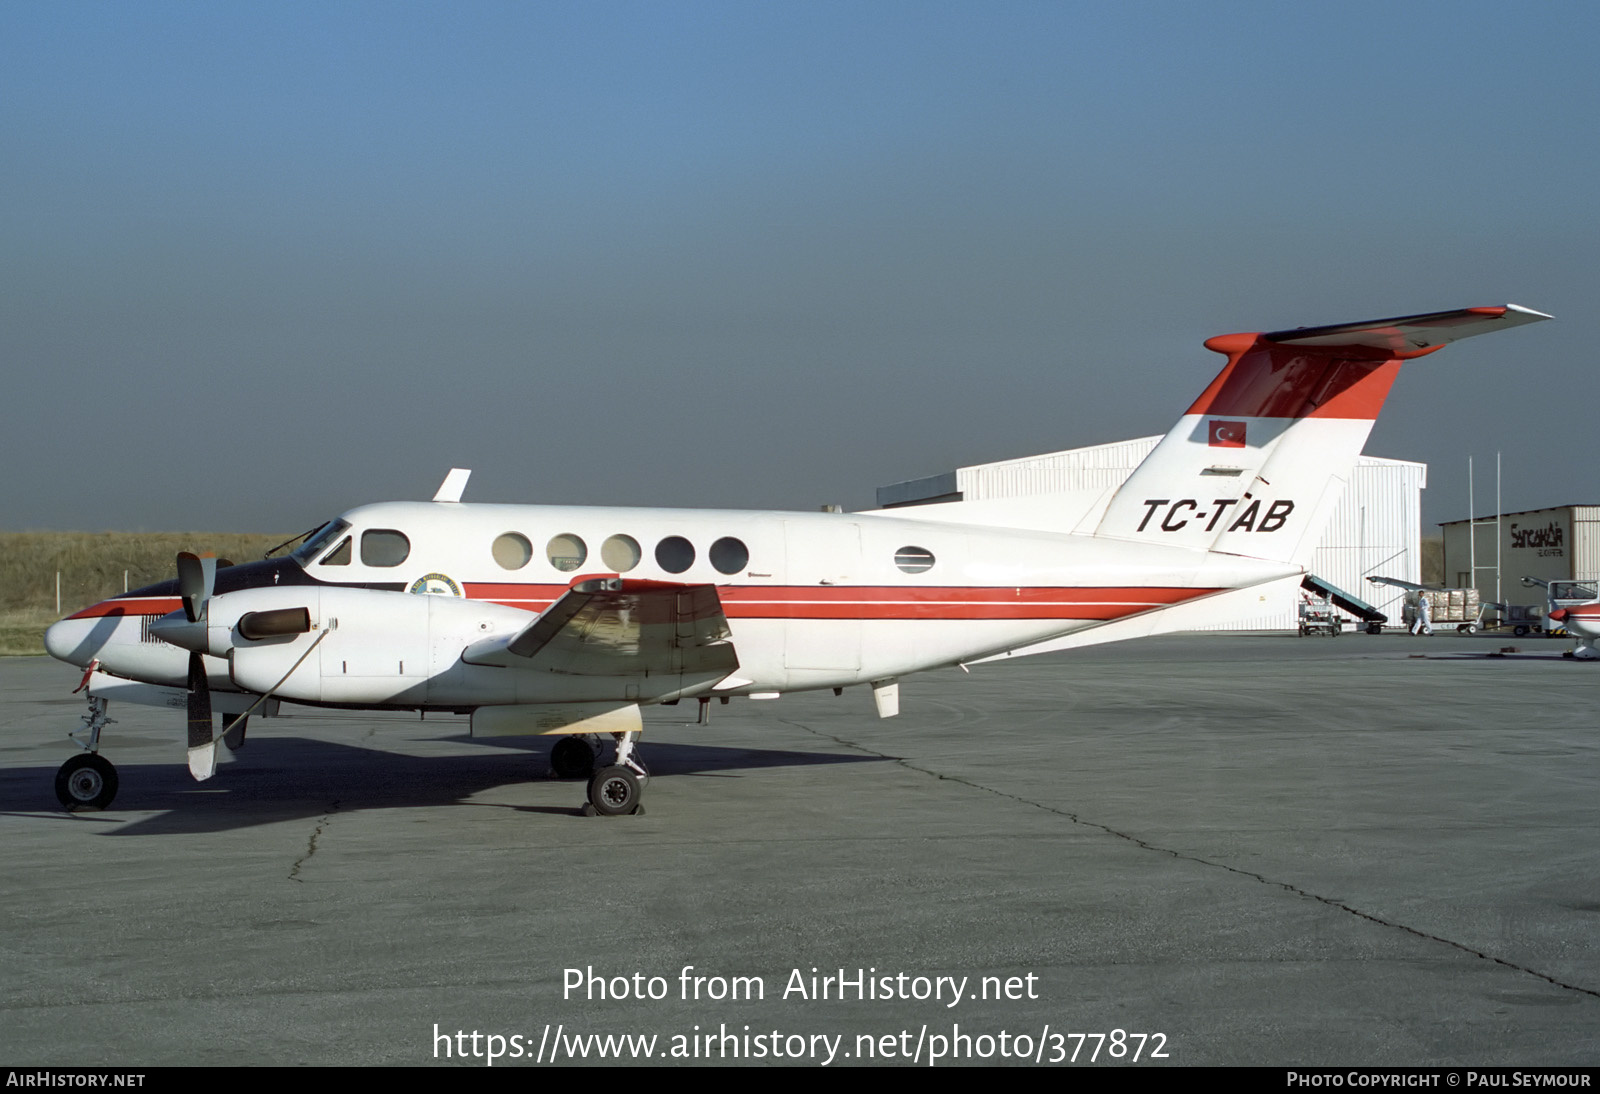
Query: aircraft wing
{"x": 621, "y": 628}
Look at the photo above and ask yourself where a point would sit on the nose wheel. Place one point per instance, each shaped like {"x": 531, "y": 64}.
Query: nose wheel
{"x": 86, "y": 782}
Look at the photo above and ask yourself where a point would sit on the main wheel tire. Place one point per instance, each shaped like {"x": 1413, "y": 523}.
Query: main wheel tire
{"x": 86, "y": 782}
{"x": 572, "y": 758}
{"x": 614, "y": 791}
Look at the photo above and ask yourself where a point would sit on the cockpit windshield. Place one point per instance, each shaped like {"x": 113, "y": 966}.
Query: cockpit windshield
{"x": 313, "y": 547}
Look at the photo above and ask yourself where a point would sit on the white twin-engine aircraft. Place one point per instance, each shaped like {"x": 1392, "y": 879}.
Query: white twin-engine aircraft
{"x": 564, "y": 620}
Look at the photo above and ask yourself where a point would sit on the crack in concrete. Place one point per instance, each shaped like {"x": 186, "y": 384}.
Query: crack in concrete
{"x": 311, "y": 844}
{"x": 1148, "y": 846}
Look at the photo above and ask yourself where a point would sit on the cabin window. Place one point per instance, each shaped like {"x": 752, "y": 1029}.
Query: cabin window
{"x": 340, "y": 555}
{"x": 914, "y": 560}
{"x": 384, "y": 547}
{"x": 566, "y": 552}
{"x": 620, "y": 554}
{"x": 511, "y": 550}
{"x": 675, "y": 554}
{"x": 729, "y": 555}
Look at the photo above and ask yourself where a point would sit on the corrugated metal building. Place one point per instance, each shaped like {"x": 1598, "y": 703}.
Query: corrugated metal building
{"x": 1376, "y": 529}
{"x": 1558, "y": 544}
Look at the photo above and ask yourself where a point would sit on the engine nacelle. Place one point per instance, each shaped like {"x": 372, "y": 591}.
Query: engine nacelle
{"x": 341, "y": 645}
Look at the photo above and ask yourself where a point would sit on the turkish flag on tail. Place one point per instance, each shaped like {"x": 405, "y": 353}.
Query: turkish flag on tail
{"x": 1225, "y": 434}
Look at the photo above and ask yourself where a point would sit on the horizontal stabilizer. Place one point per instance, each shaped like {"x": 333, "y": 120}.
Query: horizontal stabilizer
{"x": 1406, "y": 335}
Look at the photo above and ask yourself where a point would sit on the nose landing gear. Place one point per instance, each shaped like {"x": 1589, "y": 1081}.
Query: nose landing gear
{"x": 88, "y": 781}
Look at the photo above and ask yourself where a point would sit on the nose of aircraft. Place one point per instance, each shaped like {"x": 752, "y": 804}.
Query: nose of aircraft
{"x": 67, "y": 640}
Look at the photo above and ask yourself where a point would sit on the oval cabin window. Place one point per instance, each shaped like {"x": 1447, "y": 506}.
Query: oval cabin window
{"x": 566, "y": 552}
{"x": 620, "y": 554}
{"x": 729, "y": 555}
{"x": 675, "y": 554}
{"x": 512, "y": 551}
{"x": 914, "y": 560}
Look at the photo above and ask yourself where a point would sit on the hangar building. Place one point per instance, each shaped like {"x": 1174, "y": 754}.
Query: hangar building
{"x": 1559, "y": 544}
{"x": 1376, "y": 529}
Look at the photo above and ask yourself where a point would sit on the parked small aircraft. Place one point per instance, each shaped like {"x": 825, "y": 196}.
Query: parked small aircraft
{"x": 1582, "y": 621}
{"x": 566, "y": 621}
{"x": 1571, "y": 607}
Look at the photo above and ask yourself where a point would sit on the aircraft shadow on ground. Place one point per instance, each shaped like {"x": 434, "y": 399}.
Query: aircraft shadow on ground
{"x": 287, "y": 778}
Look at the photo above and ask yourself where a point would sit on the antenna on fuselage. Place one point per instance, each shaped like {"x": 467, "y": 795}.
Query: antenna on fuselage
{"x": 454, "y": 484}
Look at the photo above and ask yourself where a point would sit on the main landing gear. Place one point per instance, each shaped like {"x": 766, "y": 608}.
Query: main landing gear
{"x": 614, "y": 790}
{"x": 573, "y": 757}
{"x": 88, "y": 781}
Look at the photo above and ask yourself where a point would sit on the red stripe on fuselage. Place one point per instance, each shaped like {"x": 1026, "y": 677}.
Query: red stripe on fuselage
{"x": 827, "y": 601}
{"x": 896, "y": 601}
{"x": 145, "y": 605}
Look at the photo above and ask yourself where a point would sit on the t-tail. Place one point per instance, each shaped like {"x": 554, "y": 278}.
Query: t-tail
{"x": 1256, "y": 466}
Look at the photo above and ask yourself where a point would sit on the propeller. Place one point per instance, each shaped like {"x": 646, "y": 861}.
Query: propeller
{"x": 197, "y": 580}
{"x": 202, "y": 740}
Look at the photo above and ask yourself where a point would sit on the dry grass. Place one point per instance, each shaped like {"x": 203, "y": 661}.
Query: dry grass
{"x": 93, "y": 566}
{"x": 22, "y": 631}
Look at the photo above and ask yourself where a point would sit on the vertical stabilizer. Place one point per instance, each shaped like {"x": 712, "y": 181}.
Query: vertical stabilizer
{"x": 1257, "y": 464}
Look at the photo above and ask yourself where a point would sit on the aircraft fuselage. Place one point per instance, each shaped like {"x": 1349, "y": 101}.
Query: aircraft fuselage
{"x": 812, "y": 600}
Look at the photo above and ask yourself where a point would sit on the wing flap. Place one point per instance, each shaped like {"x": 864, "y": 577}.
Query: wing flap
{"x": 613, "y": 627}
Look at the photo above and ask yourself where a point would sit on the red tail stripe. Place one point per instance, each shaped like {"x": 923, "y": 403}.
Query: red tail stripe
{"x": 1265, "y": 380}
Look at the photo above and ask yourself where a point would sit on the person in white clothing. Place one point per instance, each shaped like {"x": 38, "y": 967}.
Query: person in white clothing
{"x": 1424, "y": 620}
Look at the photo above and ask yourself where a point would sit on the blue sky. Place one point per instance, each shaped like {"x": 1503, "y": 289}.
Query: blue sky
{"x": 263, "y": 262}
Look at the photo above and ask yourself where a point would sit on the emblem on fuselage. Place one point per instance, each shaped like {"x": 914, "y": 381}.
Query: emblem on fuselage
{"x": 435, "y": 585}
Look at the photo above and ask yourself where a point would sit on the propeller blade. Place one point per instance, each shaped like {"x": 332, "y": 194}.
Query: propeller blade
{"x": 202, "y": 742}
{"x": 233, "y": 730}
{"x": 197, "y": 577}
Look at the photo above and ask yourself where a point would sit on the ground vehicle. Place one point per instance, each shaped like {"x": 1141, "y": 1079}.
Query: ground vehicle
{"x": 1319, "y": 616}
